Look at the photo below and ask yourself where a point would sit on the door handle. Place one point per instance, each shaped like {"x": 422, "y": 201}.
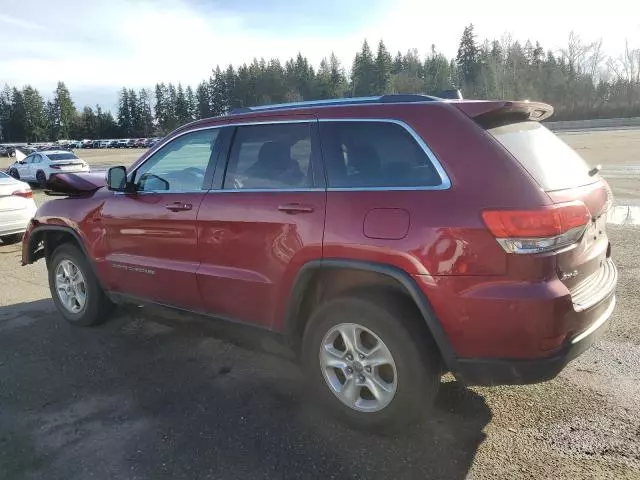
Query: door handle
{"x": 293, "y": 208}
{"x": 178, "y": 207}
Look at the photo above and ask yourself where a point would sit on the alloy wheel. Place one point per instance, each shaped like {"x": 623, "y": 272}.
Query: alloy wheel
{"x": 358, "y": 367}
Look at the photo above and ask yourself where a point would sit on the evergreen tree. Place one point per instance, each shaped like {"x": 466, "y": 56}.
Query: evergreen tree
{"x": 33, "y": 114}
{"x": 203, "y": 100}
{"x": 363, "y": 82}
{"x": 125, "y": 122}
{"x": 144, "y": 111}
{"x": 65, "y": 111}
{"x": 191, "y": 104}
{"x": 181, "y": 106}
{"x": 467, "y": 58}
{"x": 383, "y": 68}
{"x": 219, "y": 93}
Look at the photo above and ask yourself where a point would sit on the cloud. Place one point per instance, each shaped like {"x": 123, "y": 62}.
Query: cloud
{"x": 107, "y": 45}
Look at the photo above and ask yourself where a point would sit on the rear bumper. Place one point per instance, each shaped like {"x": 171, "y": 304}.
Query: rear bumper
{"x": 481, "y": 371}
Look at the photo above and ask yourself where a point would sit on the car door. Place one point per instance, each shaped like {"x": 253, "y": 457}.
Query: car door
{"x": 263, "y": 221}
{"x": 24, "y": 167}
{"x": 151, "y": 232}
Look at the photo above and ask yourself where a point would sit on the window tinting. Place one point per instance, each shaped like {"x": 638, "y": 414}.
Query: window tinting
{"x": 179, "y": 166}
{"x": 271, "y": 157}
{"x": 61, "y": 156}
{"x": 374, "y": 154}
{"x": 550, "y": 161}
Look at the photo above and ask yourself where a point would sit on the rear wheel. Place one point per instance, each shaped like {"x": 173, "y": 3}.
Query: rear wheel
{"x": 11, "y": 239}
{"x": 14, "y": 173}
{"x": 370, "y": 362}
{"x": 75, "y": 289}
{"x": 41, "y": 178}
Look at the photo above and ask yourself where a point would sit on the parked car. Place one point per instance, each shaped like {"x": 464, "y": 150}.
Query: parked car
{"x": 7, "y": 151}
{"x": 105, "y": 143}
{"x": 39, "y": 166}
{"x": 16, "y": 208}
{"x": 388, "y": 239}
{"x": 140, "y": 143}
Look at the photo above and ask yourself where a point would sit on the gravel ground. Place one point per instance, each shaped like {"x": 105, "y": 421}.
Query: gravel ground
{"x": 157, "y": 395}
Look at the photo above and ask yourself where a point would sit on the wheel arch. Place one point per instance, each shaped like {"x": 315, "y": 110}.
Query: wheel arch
{"x": 44, "y": 239}
{"x": 307, "y": 293}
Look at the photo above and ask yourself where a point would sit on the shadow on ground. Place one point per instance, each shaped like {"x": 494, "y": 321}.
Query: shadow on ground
{"x": 146, "y": 396}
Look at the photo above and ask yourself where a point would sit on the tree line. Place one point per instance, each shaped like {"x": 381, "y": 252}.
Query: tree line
{"x": 580, "y": 81}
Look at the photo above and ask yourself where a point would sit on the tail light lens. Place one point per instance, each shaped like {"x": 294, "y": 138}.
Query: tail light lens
{"x": 23, "y": 193}
{"x": 541, "y": 230}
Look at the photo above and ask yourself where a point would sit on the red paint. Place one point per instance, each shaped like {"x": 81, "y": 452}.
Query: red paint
{"x": 237, "y": 254}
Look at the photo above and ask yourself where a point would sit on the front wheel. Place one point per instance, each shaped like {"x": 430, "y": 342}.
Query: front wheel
{"x": 75, "y": 289}
{"x": 369, "y": 360}
{"x": 41, "y": 178}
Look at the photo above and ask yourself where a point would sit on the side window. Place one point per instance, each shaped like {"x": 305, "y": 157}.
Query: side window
{"x": 28, "y": 159}
{"x": 180, "y": 165}
{"x": 374, "y": 154}
{"x": 276, "y": 156}
{"x": 37, "y": 159}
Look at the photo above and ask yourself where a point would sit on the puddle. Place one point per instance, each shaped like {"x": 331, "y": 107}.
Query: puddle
{"x": 624, "y": 215}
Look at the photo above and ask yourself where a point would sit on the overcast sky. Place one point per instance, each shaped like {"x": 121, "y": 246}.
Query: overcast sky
{"x": 97, "y": 47}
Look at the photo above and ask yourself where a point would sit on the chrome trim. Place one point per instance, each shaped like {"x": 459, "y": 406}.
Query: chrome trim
{"x": 261, "y": 190}
{"x": 444, "y": 178}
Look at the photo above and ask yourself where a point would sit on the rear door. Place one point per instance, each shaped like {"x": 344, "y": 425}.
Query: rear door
{"x": 565, "y": 177}
{"x": 263, "y": 222}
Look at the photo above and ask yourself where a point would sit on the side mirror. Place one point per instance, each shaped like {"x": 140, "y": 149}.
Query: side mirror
{"x": 117, "y": 179}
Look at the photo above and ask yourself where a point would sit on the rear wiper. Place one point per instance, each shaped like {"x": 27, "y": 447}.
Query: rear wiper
{"x": 595, "y": 170}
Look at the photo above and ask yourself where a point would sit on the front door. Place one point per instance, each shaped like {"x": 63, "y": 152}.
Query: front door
{"x": 151, "y": 232}
{"x": 26, "y": 166}
{"x": 263, "y": 222}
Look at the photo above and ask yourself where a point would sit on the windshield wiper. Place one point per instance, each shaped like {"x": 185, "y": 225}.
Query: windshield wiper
{"x": 595, "y": 170}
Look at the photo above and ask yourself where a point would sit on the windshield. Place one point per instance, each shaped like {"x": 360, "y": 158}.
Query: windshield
{"x": 61, "y": 156}
{"x": 551, "y": 162}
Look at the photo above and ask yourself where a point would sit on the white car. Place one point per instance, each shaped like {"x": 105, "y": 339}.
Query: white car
{"x": 16, "y": 208}
{"x": 39, "y": 166}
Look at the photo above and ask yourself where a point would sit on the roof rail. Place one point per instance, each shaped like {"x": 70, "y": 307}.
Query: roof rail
{"x": 393, "y": 98}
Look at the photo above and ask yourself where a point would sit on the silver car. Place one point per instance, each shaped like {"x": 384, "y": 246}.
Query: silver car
{"x": 17, "y": 207}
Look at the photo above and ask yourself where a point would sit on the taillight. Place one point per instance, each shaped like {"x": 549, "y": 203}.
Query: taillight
{"x": 541, "y": 230}
{"x": 23, "y": 193}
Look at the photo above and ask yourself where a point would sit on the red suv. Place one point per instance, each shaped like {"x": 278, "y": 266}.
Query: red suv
{"x": 389, "y": 239}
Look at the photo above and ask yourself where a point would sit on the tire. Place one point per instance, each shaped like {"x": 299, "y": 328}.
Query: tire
{"x": 14, "y": 173}
{"x": 415, "y": 358}
{"x": 96, "y": 307}
{"x": 11, "y": 239}
{"x": 41, "y": 178}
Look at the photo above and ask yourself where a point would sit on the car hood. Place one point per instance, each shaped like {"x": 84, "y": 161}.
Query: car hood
{"x": 77, "y": 182}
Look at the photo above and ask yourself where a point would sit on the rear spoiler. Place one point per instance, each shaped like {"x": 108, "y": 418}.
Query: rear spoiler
{"x": 491, "y": 114}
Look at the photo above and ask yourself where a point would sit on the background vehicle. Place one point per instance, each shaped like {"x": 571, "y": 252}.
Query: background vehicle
{"x": 7, "y": 151}
{"x": 382, "y": 263}
{"x": 16, "y": 208}
{"x": 39, "y": 166}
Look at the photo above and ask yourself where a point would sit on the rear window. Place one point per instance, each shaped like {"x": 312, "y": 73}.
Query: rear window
{"x": 61, "y": 156}
{"x": 550, "y": 161}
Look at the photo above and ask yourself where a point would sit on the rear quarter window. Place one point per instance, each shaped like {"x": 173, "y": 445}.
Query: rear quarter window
{"x": 553, "y": 164}
{"x": 362, "y": 154}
